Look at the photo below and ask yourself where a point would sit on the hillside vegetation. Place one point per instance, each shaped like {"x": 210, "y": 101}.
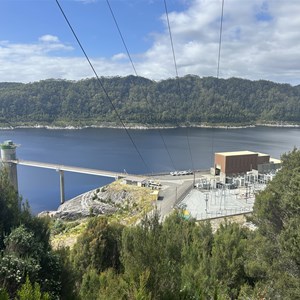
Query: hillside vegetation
{"x": 189, "y": 100}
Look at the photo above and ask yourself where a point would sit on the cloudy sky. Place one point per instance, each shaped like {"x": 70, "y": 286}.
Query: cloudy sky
{"x": 261, "y": 39}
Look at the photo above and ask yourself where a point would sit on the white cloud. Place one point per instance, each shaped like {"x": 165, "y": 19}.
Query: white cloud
{"x": 48, "y": 38}
{"x": 260, "y": 41}
{"x": 119, "y": 56}
{"x": 32, "y": 62}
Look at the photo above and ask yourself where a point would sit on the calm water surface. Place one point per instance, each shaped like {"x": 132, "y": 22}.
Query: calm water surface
{"x": 111, "y": 149}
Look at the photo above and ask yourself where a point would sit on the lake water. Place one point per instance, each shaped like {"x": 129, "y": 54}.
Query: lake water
{"x": 111, "y": 149}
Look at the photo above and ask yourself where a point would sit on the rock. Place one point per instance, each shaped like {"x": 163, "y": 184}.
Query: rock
{"x": 101, "y": 201}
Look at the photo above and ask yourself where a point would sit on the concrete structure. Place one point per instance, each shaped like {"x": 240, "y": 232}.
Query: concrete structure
{"x": 8, "y": 153}
{"x": 135, "y": 180}
{"x": 10, "y": 161}
{"x": 230, "y": 164}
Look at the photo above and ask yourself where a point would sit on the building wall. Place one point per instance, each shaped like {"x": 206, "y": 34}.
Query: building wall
{"x": 240, "y": 163}
{"x": 235, "y": 164}
{"x": 8, "y": 154}
{"x": 220, "y": 162}
{"x": 263, "y": 159}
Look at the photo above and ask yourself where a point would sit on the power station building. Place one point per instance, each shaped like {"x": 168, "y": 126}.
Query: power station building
{"x": 230, "y": 164}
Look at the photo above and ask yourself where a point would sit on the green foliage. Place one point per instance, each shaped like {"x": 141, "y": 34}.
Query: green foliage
{"x": 142, "y": 101}
{"x": 31, "y": 292}
{"x": 196, "y": 273}
{"x": 113, "y": 286}
{"x": 10, "y": 206}
{"x": 98, "y": 247}
{"x": 68, "y": 278}
{"x": 58, "y": 227}
{"x": 3, "y": 294}
{"x": 155, "y": 250}
{"x": 228, "y": 256}
{"x": 25, "y": 249}
{"x": 276, "y": 211}
{"x": 25, "y": 255}
{"x": 280, "y": 201}
{"x": 90, "y": 285}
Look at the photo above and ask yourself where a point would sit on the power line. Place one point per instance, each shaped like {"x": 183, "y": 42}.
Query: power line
{"x": 129, "y": 56}
{"x": 102, "y": 86}
{"x": 220, "y": 38}
{"x": 120, "y": 33}
{"x": 177, "y": 79}
{"x": 171, "y": 39}
{"x": 218, "y": 69}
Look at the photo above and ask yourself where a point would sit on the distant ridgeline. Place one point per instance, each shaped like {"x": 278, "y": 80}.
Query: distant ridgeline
{"x": 189, "y": 100}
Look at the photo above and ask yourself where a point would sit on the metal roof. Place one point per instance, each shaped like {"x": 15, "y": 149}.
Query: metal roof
{"x": 275, "y": 161}
{"x": 135, "y": 178}
{"x": 262, "y": 154}
{"x": 236, "y": 153}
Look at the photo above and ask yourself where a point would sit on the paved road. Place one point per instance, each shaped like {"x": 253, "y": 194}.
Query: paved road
{"x": 173, "y": 188}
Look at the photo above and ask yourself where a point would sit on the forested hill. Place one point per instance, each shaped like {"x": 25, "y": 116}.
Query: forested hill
{"x": 139, "y": 101}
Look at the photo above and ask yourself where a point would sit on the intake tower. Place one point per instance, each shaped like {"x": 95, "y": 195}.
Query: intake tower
{"x": 8, "y": 154}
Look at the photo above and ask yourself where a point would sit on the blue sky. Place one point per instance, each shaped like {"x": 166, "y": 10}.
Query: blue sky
{"x": 261, "y": 39}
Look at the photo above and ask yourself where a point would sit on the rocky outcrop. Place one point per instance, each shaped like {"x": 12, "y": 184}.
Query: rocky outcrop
{"x": 102, "y": 201}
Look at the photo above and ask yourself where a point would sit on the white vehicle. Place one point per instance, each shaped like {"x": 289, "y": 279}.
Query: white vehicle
{"x": 154, "y": 183}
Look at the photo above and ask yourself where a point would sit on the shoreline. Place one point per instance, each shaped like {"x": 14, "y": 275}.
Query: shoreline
{"x": 142, "y": 127}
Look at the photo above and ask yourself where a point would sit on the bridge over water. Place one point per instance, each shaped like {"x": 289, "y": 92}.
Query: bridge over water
{"x": 9, "y": 160}
{"x": 63, "y": 168}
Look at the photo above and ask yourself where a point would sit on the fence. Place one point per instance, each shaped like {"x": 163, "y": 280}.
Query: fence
{"x": 223, "y": 213}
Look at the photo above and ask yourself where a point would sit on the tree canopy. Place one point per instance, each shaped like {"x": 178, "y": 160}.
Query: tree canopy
{"x": 183, "y": 101}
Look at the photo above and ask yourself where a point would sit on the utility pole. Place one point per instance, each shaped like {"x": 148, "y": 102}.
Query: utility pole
{"x": 206, "y": 200}
{"x": 194, "y": 179}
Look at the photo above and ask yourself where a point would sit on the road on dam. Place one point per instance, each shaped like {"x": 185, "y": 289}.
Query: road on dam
{"x": 174, "y": 189}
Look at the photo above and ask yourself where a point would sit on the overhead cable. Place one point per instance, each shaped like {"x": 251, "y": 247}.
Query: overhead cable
{"x": 177, "y": 79}
{"x": 218, "y": 70}
{"x": 102, "y": 86}
{"x": 121, "y": 36}
{"x": 129, "y": 56}
{"x": 220, "y": 38}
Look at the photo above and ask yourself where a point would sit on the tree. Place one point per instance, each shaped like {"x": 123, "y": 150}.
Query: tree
{"x": 228, "y": 256}
{"x": 31, "y": 292}
{"x": 196, "y": 270}
{"x": 98, "y": 247}
{"x": 142, "y": 101}
{"x": 10, "y": 206}
{"x": 90, "y": 285}
{"x": 24, "y": 246}
{"x": 276, "y": 212}
{"x": 280, "y": 200}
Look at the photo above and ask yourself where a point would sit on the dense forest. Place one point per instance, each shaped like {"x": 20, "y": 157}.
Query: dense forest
{"x": 177, "y": 259}
{"x": 189, "y": 100}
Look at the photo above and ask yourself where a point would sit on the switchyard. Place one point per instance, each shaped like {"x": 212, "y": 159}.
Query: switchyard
{"x": 231, "y": 186}
{"x": 206, "y": 203}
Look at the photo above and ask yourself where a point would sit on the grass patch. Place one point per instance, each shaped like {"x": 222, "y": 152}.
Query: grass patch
{"x": 130, "y": 211}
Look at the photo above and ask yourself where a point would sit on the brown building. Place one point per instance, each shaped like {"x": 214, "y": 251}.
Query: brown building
{"x": 240, "y": 162}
